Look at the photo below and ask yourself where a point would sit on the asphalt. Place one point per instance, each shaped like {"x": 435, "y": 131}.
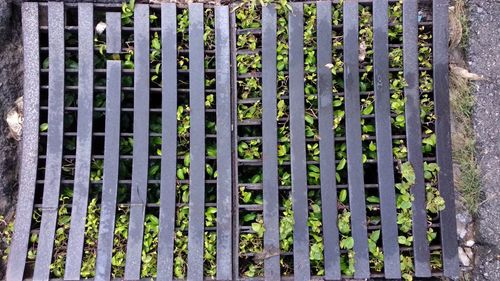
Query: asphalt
{"x": 483, "y": 55}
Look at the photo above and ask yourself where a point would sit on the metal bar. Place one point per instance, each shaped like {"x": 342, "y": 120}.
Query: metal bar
{"x": 269, "y": 145}
{"x": 83, "y": 141}
{"x": 141, "y": 142}
{"x": 443, "y": 137}
{"x": 110, "y": 179}
{"x": 197, "y": 143}
{"x": 353, "y": 138}
{"x": 414, "y": 138}
{"x": 385, "y": 168}
{"x": 54, "y": 142}
{"x": 166, "y": 233}
{"x": 301, "y": 265}
{"x": 234, "y": 128}
{"x": 223, "y": 121}
{"x": 28, "y": 168}
{"x": 326, "y": 143}
{"x": 113, "y": 32}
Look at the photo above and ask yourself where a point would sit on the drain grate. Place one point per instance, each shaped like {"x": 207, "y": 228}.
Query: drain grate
{"x": 301, "y": 140}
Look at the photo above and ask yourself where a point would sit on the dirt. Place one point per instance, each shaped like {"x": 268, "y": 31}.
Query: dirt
{"x": 484, "y": 59}
{"x": 10, "y": 88}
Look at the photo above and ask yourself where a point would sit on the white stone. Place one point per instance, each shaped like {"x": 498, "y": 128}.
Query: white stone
{"x": 464, "y": 259}
{"x": 469, "y": 243}
{"x": 461, "y": 230}
{"x": 100, "y": 27}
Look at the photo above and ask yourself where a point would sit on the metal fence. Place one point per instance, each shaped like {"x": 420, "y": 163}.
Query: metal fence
{"x": 83, "y": 101}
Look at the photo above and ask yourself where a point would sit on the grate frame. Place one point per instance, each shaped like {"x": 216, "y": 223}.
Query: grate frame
{"x": 228, "y": 225}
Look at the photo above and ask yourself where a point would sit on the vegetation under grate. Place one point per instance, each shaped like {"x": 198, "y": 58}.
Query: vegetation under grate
{"x": 285, "y": 140}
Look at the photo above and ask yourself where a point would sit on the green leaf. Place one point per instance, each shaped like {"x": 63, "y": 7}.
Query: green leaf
{"x": 258, "y": 228}
{"x": 44, "y": 127}
{"x": 309, "y": 119}
{"x": 341, "y": 164}
{"x": 186, "y": 160}
{"x": 347, "y": 243}
{"x": 249, "y": 217}
{"x": 180, "y": 174}
{"x": 408, "y": 173}
{"x": 373, "y": 199}
{"x": 343, "y": 195}
{"x": 375, "y": 235}
{"x": 316, "y": 253}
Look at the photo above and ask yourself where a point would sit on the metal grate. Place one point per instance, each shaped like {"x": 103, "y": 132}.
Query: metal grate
{"x": 100, "y": 126}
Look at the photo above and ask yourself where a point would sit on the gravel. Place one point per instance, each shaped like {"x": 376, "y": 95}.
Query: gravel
{"x": 483, "y": 57}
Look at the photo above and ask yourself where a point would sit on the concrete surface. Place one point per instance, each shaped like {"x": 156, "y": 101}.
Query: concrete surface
{"x": 484, "y": 59}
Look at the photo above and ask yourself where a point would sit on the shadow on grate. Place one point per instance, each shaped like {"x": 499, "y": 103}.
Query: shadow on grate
{"x": 301, "y": 140}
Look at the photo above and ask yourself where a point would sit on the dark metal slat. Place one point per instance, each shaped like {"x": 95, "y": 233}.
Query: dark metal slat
{"x": 353, "y": 139}
{"x": 443, "y": 137}
{"x": 110, "y": 177}
{"x": 54, "y": 141}
{"x": 223, "y": 121}
{"x": 113, "y": 32}
{"x": 414, "y": 138}
{"x": 29, "y": 159}
{"x": 234, "y": 120}
{"x": 326, "y": 143}
{"x": 385, "y": 162}
{"x": 166, "y": 233}
{"x": 269, "y": 145}
{"x": 83, "y": 140}
{"x": 197, "y": 143}
{"x": 141, "y": 142}
{"x": 301, "y": 266}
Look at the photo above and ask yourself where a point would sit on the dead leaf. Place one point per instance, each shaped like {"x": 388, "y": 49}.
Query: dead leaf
{"x": 464, "y": 73}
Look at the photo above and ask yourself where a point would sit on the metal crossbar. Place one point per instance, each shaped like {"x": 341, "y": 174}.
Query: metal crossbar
{"x": 80, "y": 118}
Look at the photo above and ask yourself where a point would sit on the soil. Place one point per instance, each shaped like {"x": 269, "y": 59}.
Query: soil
{"x": 484, "y": 59}
{"x": 10, "y": 89}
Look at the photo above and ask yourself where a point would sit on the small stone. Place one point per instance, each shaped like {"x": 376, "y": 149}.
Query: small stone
{"x": 469, "y": 243}
{"x": 469, "y": 253}
{"x": 461, "y": 231}
{"x": 100, "y": 27}
{"x": 464, "y": 259}
{"x": 463, "y": 219}
{"x": 14, "y": 119}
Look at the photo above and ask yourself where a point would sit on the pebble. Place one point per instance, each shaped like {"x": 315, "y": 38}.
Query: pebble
{"x": 464, "y": 258}
{"x": 469, "y": 243}
{"x": 461, "y": 231}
